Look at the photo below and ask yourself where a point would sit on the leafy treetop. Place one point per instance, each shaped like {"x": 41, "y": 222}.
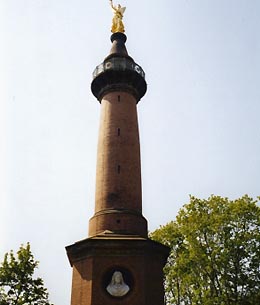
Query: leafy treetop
{"x": 17, "y": 285}
{"x": 215, "y": 252}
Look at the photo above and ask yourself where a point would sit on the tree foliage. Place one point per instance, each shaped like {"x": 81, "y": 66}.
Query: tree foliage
{"x": 17, "y": 285}
{"x": 215, "y": 252}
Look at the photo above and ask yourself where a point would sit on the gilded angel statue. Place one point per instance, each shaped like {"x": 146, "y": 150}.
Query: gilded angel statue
{"x": 117, "y": 23}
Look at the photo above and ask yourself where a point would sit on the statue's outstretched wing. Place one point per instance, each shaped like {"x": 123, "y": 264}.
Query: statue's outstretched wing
{"x": 123, "y": 10}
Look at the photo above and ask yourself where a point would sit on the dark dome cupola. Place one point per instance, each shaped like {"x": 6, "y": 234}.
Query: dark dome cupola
{"x": 118, "y": 72}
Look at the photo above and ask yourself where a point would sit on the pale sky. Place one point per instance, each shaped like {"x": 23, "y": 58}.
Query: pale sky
{"x": 199, "y": 121}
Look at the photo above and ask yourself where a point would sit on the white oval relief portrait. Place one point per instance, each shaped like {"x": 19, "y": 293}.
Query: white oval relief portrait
{"x": 117, "y": 287}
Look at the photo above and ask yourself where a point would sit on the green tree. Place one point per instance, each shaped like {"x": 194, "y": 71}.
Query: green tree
{"x": 17, "y": 285}
{"x": 215, "y": 252}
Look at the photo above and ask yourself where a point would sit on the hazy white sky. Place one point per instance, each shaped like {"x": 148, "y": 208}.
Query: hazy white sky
{"x": 199, "y": 121}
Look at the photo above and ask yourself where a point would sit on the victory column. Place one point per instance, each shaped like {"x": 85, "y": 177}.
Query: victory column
{"x": 118, "y": 263}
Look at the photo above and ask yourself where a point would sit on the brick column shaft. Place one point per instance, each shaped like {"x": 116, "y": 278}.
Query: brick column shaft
{"x": 118, "y": 206}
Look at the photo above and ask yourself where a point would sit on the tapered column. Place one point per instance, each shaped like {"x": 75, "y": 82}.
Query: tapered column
{"x": 118, "y": 181}
{"x": 118, "y": 205}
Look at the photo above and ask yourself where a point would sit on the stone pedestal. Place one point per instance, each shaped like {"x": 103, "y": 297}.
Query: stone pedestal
{"x": 139, "y": 260}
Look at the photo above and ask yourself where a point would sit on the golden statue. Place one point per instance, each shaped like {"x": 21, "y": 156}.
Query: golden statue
{"x": 117, "y": 23}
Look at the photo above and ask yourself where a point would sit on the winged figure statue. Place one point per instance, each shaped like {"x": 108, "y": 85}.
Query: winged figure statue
{"x": 117, "y": 22}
